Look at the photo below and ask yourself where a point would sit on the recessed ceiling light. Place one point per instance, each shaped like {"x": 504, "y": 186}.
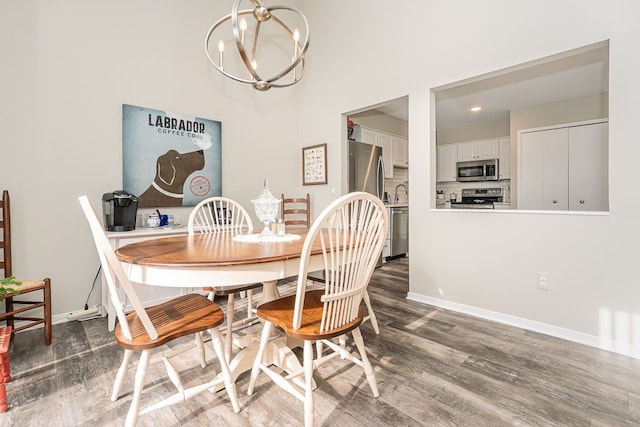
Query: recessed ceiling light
{"x": 475, "y": 108}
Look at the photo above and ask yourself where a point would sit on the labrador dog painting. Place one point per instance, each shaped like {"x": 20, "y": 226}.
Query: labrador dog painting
{"x": 172, "y": 170}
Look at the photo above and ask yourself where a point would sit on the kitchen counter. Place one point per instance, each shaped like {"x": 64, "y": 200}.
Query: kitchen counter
{"x": 396, "y": 205}
{"x": 501, "y": 205}
{"x": 442, "y": 204}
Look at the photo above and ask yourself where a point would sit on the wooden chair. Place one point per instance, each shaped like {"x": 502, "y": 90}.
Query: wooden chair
{"x": 351, "y": 232}
{"x": 16, "y": 306}
{"x": 214, "y": 215}
{"x": 291, "y": 206}
{"x": 146, "y": 329}
{"x": 296, "y": 211}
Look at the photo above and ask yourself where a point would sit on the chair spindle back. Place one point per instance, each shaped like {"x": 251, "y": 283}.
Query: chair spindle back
{"x": 351, "y": 231}
{"x": 217, "y": 214}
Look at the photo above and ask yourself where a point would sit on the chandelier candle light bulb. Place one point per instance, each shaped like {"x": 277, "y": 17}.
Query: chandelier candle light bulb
{"x": 243, "y": 28}
{"x": 221, "y": 54}
{"x": 296, "y": 39}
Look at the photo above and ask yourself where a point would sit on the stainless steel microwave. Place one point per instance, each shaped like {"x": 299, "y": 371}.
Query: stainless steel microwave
{"x": 477, "y": 170}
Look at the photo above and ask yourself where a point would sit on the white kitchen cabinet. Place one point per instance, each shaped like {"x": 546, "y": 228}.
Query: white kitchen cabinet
{"x": 543, "y": 180}
{"x": 386, "y": 142}
{"x": 564, "y": 168}
{"x": 368, "y": 136}
{"x": 478, "y": 150}
{"x": 389, "y": 144}
{"x": 504, "y": 156}
{"x": 400, "y": 152}
{"x": 447, "y": 156}
{"x": 589, "y": 167}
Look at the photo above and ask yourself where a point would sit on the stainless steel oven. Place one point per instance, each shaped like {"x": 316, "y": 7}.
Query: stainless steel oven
{"x": 479, "y": 198}
{"x": 477, "y": 170}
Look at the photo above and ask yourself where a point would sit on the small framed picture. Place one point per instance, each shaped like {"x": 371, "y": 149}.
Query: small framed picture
{"x": 314, "y": 164}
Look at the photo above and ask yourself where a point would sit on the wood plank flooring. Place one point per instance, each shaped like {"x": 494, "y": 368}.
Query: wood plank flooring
{"x": 434, "y": 368}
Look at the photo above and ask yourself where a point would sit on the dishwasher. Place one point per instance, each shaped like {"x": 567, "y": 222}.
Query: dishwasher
{"x": 399, "y": 230}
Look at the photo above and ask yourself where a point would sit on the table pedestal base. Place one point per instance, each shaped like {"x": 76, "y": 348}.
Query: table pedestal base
{"x": 278, "y": 351}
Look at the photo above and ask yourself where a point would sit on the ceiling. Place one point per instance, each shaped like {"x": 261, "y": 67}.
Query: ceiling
{"x": 570, "y": 75}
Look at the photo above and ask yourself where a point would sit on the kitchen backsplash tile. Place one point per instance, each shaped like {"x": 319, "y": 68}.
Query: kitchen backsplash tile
{"x": 456, "y": 187}
{"x": 390, "y": 185}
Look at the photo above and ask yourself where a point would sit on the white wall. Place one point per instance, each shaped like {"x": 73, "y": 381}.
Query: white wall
{"x": 68, "y": 66}
{"x": 484, "y": 130}
{"x": 372, "y": 54}
{"x": 374, "y": 119}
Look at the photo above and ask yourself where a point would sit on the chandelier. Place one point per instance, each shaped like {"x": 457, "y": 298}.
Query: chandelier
{"x": 285, "y": 45}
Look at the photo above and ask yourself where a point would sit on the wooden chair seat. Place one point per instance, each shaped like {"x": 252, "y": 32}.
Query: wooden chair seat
{"x": 184, "y": 315}
{"x": 27, "y": 286}
{"x": 14, "y": 313}
{"x": 280, "y": 313}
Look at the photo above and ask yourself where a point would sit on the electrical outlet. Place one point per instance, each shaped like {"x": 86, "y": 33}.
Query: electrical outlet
{"x": 543, "y": 281}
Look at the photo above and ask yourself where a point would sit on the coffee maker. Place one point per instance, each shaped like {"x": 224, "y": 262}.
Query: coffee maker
{"x": 120, "y": 211}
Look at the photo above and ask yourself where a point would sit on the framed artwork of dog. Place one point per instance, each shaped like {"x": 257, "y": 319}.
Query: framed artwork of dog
{"x": 169, "y": 159}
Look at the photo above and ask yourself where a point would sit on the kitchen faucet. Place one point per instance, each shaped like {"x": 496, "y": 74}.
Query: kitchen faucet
{"x": 395, "y": 198}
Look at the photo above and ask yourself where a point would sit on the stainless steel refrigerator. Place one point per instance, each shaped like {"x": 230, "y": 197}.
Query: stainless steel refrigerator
{"x": 366, "y": 168}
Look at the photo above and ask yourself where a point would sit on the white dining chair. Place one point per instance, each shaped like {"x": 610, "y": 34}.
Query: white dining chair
{"x": 146, "y": 329}
{"x": 351, "y": 233}
{"x": 219, "y": 214}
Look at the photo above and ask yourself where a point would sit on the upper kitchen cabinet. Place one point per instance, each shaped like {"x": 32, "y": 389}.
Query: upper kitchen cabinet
{"x": 478, "y": 150}
{"x": 447, "y": 155}
{"x": 504, "y": 157}
{"x": 564, "y": 168}
{"x": 400, "y": 152}
{"x": 386, "y": 142}
{"x": 368, "y": 136}
{"x": 394, "y": 147}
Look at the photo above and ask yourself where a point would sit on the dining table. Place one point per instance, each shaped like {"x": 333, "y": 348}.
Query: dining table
{"x": 223, "y": 259}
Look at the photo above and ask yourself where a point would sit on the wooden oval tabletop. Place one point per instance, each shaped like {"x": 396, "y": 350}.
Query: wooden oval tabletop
{"x": 214, "y": 249}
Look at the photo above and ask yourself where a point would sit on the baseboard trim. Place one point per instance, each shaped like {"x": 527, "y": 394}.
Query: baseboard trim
{"x": 55, "y": 319}
{"x": 622, "y": 348}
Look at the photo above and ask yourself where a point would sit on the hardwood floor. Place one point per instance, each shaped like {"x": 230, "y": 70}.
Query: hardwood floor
{"x": 434, "y": 367}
